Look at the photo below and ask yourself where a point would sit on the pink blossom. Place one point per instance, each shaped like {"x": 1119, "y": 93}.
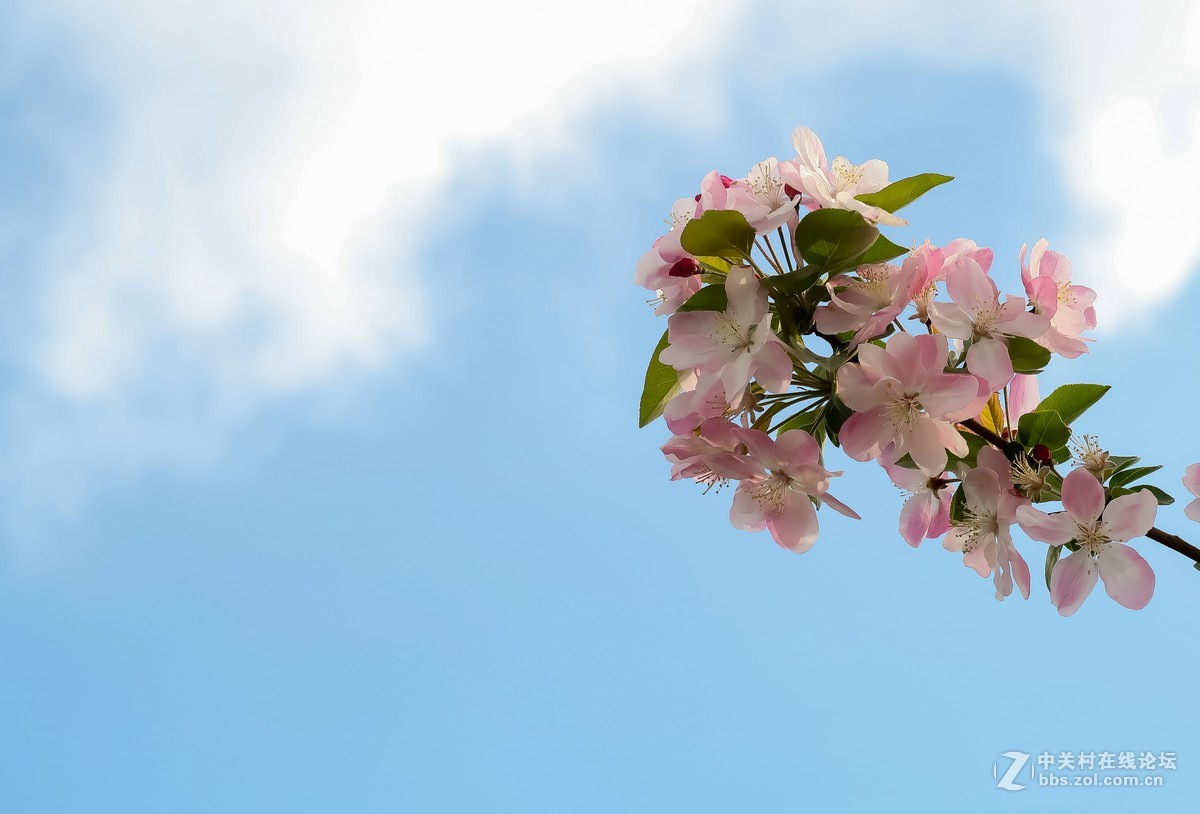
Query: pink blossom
{"x": 763, "y": 197}
{"x": 835, "y": 187}
{"x": 984, "y": 534}
{"x": 736, "y": 344}
{"x": 964, "y": 248}
{"x": 977, "y": 314}
{"x": 670, "y": 271}
{"x": 926, "y": 265}
{"x": 699, "y": 398}
{"x": 1048, "y": 285}
{"x": 1023, "y": 397}
{"x": 926, "y": 511}
{"x": 781, "y": 497}
{"x": 1100, "y": 532}
{"x": 865, "y": 303}
{"x": 902, "y": 396}
{"x": 1191, "y": 480}
{"x": 714, "y": 192}
{"x": 712, "y": 457}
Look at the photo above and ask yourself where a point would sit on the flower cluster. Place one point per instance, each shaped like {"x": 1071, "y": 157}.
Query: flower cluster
{"x": 793, "y": 323}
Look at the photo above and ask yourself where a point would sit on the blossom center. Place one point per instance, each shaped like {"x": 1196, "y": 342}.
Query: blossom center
{"x": 1092, "y": 538}
{"x": 770, "y": 492}
{"x": 1089, "y": 454}
{"x": 846, "y": 175}
{"x": 730, "y": 332}
{"x": 984, "y": 324}
{"x": 904, "y": 411}
{"x": 1030, "y": 477}
{"x": 981, "y": 524}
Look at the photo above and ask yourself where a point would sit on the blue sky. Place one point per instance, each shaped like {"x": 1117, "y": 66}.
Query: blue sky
{"x": 312, "y": 508}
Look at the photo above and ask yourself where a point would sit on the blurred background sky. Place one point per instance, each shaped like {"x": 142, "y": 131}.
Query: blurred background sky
{"x": 322, "y": 488}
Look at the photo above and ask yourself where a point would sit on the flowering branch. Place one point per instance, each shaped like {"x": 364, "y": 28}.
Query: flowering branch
{"x": 759, "y": 370}
{"x": 1171, "y": 541}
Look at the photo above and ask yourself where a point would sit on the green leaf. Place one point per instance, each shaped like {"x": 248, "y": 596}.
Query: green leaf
{"x": 1052, "y": 555}
{"x": 1121, "y": 462}
{"x": 717, "y": 264}
{"x": 662, "y": 383}
{"x": 1027, "y": 356}
{"x": 1043, "y": 427}
{"x": 833, "y": 238}
{"x": 709, "y": 298}
{"x": 881, "y": 251}
{"x": 958, "y": 505}
{"x": 903, "y": 192}
{"x": 1071, "y": 400}
{"x": 720, "y": 233}
{"x": 836, "y": 414}
{"x": 1128, "y": 476}
{"x": 1162, "y": 497}
{"x": 794, "y": 282}
{"x": 804, "y": 420}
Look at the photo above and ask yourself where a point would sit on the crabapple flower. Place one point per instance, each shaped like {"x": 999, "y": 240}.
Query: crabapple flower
{"x": 926, "y": 511}
{"x": 961, "y": 247}
{"x": 711, "y": 457}
{"x": 866, "y": 303}
{"x": 1048, "y": 285}
{"x": 984, "y": 535}
{"x": 1100, "y": 532}
{"x": 977, "y": 314}
{"x": 902, "y": 395}
{"x": 736, "y": 344}
{"x": 1191, "y": 481}
{"x": 763, "y": 197}
{"x": 780, "y": 498}
{"x": 698, "y": 399}
{"x": 670, "y": 272}
{"x": 714, "y": 192}
{"x": 835, "y": 187}
{"x": 926, "y": 264}
{"x": 1087, "y": 453}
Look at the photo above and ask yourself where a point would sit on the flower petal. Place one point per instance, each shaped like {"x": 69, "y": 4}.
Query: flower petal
{"x": 988, "y": 359}
{"x": 1130, "y": 516}
{"x": 926, "y": 447}
{"x": 746, "y": 513}
{"x": 1055, "y": 529}
{"x": 861, "y": 436}
{"x": 795, "y": 527}
{"x": 1072, "y": 581}
{"x": 1128, "y": 578}
{"x": 915, "y": 517}
{"x": 1082, "y": 496}
{"x": 838, "y": 506}
{"x": 1020, "y": 570}
{"x": 797, "y": 447}
{"x": 946, "y": 393}
{"x": 1191, "y": 479}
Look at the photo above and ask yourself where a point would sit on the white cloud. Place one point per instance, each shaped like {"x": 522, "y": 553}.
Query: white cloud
{"x": 248, "y": 228}
{"x": 1120, "y": 93}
